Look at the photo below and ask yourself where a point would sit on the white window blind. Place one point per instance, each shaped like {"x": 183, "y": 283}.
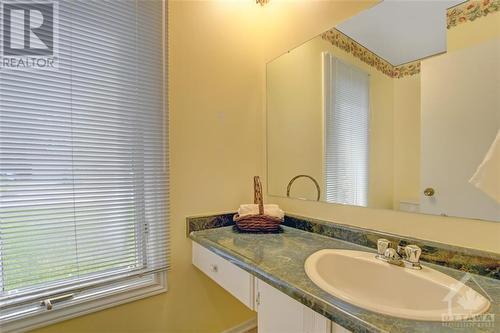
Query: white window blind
{"x": 346, "y": 92}
{"x": 83, "y": 188}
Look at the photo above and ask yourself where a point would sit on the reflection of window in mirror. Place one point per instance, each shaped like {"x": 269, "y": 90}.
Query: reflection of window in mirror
{"x": 346, "y": 107}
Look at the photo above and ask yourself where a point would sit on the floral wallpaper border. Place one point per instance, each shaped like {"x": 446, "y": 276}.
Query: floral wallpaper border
{"x": 468, "y": 11}
{"x": 343, "y": 42}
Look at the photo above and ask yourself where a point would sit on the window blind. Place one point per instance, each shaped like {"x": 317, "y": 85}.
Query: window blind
{"x": 346, "y": 107}
{"x": 83, "y": 187}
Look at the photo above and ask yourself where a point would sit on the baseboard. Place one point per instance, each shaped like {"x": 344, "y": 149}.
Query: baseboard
{"x": 243, "y": 327}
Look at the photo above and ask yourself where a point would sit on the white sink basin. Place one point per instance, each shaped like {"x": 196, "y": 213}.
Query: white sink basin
{"x": 360, "y": 279}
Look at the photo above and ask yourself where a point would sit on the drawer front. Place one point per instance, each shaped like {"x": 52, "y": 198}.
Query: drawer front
{"x": 230, "y": 277}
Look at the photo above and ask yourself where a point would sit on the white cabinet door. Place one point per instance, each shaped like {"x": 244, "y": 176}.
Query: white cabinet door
{"x": 315, "y": 323}
{"x": 279, "y": 313}
{"x": 336, "y": 328}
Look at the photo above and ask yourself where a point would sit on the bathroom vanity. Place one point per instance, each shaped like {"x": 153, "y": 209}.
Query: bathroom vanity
{"x": 277, "y": 312}
{"x": 266, "y": 273}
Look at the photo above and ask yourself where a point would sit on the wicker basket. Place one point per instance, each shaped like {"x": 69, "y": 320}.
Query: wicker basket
{"x": 258, "y": 222}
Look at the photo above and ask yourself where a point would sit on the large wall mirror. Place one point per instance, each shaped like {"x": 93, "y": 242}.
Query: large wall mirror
{"x": 396, "y": 108}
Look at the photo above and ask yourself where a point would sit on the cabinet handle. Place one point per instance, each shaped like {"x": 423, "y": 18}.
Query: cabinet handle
{"x": 257, "y": 299}
{"x": 214, "y": 268}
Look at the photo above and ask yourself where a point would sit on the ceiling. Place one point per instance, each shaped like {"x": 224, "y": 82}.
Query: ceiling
{"x": 401, "y": 31}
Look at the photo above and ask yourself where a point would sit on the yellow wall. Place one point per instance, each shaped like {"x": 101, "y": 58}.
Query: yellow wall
{"x": 406, "y": 140}
{"x": 218, "y": 51}
{"x": 380, "y": 183}
{"x": 475, "y": 32}
{"x": 295, "y": 121}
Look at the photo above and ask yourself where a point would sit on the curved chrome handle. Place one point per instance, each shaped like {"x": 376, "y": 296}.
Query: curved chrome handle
{"x": 306, "y": 176}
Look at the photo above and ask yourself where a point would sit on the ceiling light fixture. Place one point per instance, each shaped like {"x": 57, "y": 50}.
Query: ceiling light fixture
{"x": 261, "y": 2}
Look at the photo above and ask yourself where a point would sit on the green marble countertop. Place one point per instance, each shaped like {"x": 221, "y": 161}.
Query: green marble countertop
{"x": 278, "y": 259}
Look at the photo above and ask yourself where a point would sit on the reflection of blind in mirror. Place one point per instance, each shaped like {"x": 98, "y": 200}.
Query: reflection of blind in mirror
{"x": 346, "y": 94}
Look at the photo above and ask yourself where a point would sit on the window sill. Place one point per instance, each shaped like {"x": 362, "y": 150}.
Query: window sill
{"x": 87, "y": 302}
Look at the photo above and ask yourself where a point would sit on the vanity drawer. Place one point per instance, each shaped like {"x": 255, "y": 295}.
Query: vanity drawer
{"x": 230, "y": 277}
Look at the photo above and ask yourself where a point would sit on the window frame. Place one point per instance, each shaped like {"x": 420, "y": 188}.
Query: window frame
{"x": 34, "y": 315}
{"x": 87, "y": 301}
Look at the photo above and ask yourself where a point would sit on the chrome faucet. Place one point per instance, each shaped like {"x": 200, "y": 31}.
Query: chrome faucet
{"x": 405, "y": 256}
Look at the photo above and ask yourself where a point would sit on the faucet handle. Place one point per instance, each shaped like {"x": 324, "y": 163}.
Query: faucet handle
{"x": 382, "y": 245}
{"x": 412, "y": 253}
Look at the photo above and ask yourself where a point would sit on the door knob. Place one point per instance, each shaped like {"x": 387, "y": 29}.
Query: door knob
{"x": 429, "y": 192}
